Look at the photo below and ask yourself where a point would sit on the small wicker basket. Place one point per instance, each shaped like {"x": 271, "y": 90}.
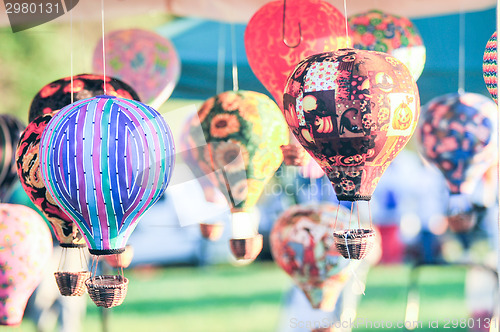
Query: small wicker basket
{"x": 354, "y": 243}
{"x": 248, "y": 248}
{"x": 108, "y": 290}
{"x": 211, "y": 232}
{"x": 71, "y": 283}
{"x": 294, "y": 155}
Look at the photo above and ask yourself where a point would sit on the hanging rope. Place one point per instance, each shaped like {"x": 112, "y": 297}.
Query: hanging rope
{"x": 103, "y": 48}
{"x": 461, "y": 52}
{"x": 336, "y": 217}
{"x": 347, "y": 40}
{"x": 234, "y": 60}
{"x": 221, "y": 56}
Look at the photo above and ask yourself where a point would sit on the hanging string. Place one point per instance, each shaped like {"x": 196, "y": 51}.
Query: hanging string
{"x": 233, "y": 56}
{"x": 93, "y": 267}
{"x": 370, "y": 215}
{"x": 71, "y": 49}
{"x": 221, "y": 57}
{"x": 336, "y": 217}
{"x": 350, "y": 216}
{"x": 83, "y": 45}
{"x": 103, "y": 48}
{"x": 347, "y": 40}
{"x": 461, "y": 52}
{"x": 357, "y": 208}
{"x": 82, "y": 259}
{"x": 59, "y": 266}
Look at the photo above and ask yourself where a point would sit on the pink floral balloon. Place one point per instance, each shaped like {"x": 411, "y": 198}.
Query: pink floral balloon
{"x": 143, "y": 59}
{"x": 25, "y": 249}
{"x": 302, "y": 245}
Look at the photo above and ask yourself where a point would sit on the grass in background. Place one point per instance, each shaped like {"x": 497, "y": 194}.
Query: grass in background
{"x": 441, "y": 290}
{"x": 249, "y": 298}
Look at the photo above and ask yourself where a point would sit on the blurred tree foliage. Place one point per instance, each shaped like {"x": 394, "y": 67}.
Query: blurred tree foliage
{"x": 32, "y": 58}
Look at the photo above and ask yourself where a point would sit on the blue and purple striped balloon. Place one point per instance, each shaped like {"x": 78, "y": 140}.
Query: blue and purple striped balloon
{"x": 106, "y": 160}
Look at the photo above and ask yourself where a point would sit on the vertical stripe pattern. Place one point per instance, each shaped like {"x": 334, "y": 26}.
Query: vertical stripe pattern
{"x": 106, "y": 161}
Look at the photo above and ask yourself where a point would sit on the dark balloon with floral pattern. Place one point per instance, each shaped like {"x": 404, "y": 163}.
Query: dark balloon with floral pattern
{"x": 457, "y": 135}
{"x": 29, "y": 173}
{"x": 57, "y": 94}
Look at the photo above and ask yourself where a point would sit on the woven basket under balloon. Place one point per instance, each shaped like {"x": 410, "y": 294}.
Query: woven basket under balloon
{"x": 461, "y": 223}
{"x": 294, "y": 155}
{"x": 108, "y": 290}
{"x": 71, "y": 283}
{"x": 248, "y": 248}
{"x": 354, "y": 243}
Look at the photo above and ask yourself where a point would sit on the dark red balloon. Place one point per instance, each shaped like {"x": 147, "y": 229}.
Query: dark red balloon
{"x": 57, "y": 94}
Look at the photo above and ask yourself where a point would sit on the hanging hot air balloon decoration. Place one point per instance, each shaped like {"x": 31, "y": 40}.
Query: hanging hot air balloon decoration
{"x": 10, "y": 131}
{"x": 105, "y": 161}
{"x": 58, "y": 94}
{"x": 353, "y": 111}
{"x": 302, "y": 245}
{"x": 70, "y": 283}
{"x": 143, "y": 59}
{"x": 28, "y": 168}
{"x": 457, "y": 135}
{"x": 279, "y": 35}
{"x": 25, "y": 250}
{"x": 188, "y": 150}
{"x": 238, "y": 150}
{"x": 391, "y": 34}
{"x": 490, "y": 74}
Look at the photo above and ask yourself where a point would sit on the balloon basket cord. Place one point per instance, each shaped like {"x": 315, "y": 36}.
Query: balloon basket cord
{"x": 354, "y": 243}
{"x": 107, "y": 290}
{"x": 71, "y": 283}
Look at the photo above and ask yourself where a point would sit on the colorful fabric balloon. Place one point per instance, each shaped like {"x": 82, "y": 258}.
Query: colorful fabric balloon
{"x": 106, "y": 160}
{"x": 391, "y": 34}
{"x": 57, "y": 94}
{"x": 302, "y": 245}
{"x": 143, "y": 59}
{"x": 238, "y": 146}
{"x": 353, "y": 111}
{"x": 322, "y": 28}
{"x": 455, "y": 136}
{"x": 29, "y": 173}
{"x": 25, "y": 250}
{"x": 490, "y": 66}
{"x": 10, "y": 131}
